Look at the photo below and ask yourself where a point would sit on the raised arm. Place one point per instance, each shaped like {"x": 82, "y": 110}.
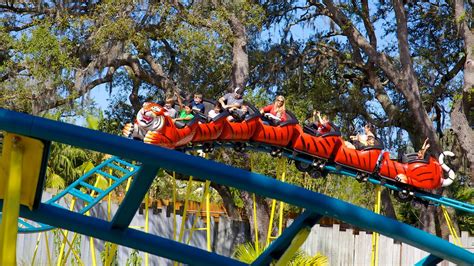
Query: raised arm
{"x": 320, "y": 120}
{"x": 233, "y": 106}
{"x": 222, "y": 102}
{"x": 180, "y": 102}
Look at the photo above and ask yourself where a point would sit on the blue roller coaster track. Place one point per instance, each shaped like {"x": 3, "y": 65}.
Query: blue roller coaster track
{"x": 152, "y": 158}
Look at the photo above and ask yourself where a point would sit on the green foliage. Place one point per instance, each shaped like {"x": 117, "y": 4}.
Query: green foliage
{"x": 464, "y": 194}
{"x": 134, "y": 259}
{"x": 112, "y": 24}
{"x": 44, "y": 53}
{"x": 239, "y": 203}
{"x": 93, "y": 122}
{"x": 112, "y": 248}
{"x": 67, "y": 163}
{"x": 302, "y": 259}
{"x": 6, "y": 42}
{"x": 54, "y": 180}
{"x": 247, "y": 253}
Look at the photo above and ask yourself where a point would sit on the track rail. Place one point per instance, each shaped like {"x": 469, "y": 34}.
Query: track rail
{"x": 114, "y": 168}
{"x": 406, "y": 192}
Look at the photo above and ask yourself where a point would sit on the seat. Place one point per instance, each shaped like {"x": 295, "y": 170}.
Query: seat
{"x": 335, "y": 133}
{"x": 310, "y": 130}
{"x": 368, "y": 148}
{"x": 377, "y": 146}
{"x": 290, "y": 119}
{"x": 413, "y": 158}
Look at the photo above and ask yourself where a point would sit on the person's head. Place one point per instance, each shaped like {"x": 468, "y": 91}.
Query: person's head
{"x": 279, "y": 105}
{"x": 371, "y": 140}
{"x": 280, "y": 101}
{"x": 197, "y": 97}
{"x": 369, "y": 128}
{"x": 244, "y": 109}
{"x": 188, "y": 108}
{"x": 217, "y": 107}
{"x": 169, "y": 103}
{"x": 237, "y": 93}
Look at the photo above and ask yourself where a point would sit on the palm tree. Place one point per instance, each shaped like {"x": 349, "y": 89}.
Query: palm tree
{"x": 247, "y": 253}
{"x": 67, "y": 163}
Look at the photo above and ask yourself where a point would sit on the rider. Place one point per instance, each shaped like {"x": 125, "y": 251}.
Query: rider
{"x": 239, "y": 115}
{"x": 321, "y": 123}
{"x": 402, "y": 178}
{"x": 215, "y": 111}
{"x": 363, "y": 140}
{"x": 421, "y": 153}
{"x": 197, "y": 103}
{"x": 185, "y": 114}
{"x": 170, "y": 111}
{"x": 232, "y": 100}
{"x": 276, "y": 111}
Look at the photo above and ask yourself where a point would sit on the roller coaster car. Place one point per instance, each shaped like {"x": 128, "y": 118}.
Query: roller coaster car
{"x": 239, "y": 131}
{"x": 209, "y": 129}
{"x": 170, "y": 136}
{"x": 309, "y": 141}
{"x": 364, "y": 160}
{"x": 278, "y": 135}
{"x": 153, "y": 126}
{"x": 420, "y": 173}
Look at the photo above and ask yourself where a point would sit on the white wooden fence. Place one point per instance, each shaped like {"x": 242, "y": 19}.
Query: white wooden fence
{"x": 341, "y": 247}
{"x": 347, "y": 248}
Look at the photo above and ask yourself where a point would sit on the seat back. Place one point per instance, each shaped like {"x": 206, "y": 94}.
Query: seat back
{"x": 290, "y": 119}
{"x": 334, "y": 128}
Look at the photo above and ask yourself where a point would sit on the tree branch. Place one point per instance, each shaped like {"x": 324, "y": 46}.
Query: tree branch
{"x": 44, "y": 102}
{"x": 441, "y": 87}
{"x": 402, "y": 36}
{"x": 381, "y": 59}
{"x": 369, "y": 27}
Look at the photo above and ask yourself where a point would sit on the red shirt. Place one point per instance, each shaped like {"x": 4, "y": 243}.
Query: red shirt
{"x": 271, "y": 110}
{"x": 324, "y": 128}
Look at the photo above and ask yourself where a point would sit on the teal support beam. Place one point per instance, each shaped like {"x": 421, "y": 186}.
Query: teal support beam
{"x": 134, "y": 197}
{"x": 429, "y": 260}
{"x": 152, "y": 244}
{"x": 279, "y": 246}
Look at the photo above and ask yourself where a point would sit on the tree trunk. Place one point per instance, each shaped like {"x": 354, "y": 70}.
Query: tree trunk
{"x": 134, "y": 97}
{"x": 462, "y": 107}
{"x": 464, "y": 133}
{"x": 228, "y": 201}
{"x": 443, "y": 225}
{"x": 408, "y": 83}
{"x": 388, "y": 205}
{"x": 240, "y": 59}
{"x": 263, "y": 215}
{"x": 403, "y": 77}
{"x": 428, "y": 219}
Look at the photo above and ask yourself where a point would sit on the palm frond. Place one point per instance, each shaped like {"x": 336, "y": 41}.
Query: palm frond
{"x": 92, "y": 122}
{"x": 303, "y": 259}
{"x": 246, "y": 252}
{"x": 55, "y": 181}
